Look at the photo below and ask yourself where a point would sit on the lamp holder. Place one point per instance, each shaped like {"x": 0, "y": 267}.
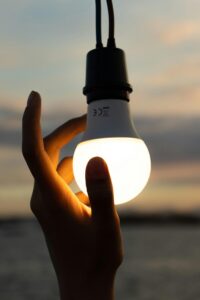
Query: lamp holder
{"x": 106, "y": 75}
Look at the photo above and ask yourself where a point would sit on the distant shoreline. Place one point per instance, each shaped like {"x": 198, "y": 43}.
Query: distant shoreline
{"x": 160, "y": 219}
{"x": 129, "y": 219}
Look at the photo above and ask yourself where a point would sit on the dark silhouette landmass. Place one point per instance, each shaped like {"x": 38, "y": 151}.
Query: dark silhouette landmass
{"x": 155, "y": 219}
{"x": 160, "y": 219}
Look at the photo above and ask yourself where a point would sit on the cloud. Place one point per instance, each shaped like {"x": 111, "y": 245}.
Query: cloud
{"x": 178, "y": 32}
{"x": 177, "y": 173}
{"x": 169, "y": 138}
{"x": 167, "y": 198}
{"x": 172, "y": 90}
{"x": 187, "y": 71}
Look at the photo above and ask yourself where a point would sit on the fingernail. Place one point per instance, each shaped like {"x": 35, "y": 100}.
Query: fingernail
{"x": 32, "y": 96}
{"x": 96, "y": 169}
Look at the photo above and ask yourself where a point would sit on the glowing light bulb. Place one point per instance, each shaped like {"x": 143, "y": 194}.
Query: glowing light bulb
{"x": 111, "y": 135}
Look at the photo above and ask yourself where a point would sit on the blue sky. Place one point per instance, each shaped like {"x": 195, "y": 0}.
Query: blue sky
{"x": 44, "y": 46}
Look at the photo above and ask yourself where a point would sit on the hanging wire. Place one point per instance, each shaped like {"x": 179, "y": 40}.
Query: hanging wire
{"x": 111, "y": 38}
{"x": 98, "y": 25}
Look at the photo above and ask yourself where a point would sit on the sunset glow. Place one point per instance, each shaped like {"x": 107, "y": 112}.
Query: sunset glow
{"x": 43, "y": 48}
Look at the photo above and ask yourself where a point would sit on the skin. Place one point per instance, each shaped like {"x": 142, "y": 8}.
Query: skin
{"x": 82, "y": 234}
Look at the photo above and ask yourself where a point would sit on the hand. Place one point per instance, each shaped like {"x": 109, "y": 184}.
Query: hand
{"x": 82, "y": 234}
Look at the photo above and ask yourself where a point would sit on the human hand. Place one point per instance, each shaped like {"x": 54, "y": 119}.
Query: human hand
{"x": 82, "y": 234}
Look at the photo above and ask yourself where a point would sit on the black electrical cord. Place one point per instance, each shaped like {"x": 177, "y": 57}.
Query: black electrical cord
{"x": 98, "y": 25}
{"x": 111, "y": 38}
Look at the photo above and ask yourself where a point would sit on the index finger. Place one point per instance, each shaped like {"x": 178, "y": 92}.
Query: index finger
{"x": 35, "y": 155}
{"x": 32, "y": 142}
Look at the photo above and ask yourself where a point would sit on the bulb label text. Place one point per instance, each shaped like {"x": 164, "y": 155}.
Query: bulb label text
{"x": 103, "y": 111}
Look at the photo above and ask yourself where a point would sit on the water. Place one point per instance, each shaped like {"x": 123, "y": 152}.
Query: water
{"x": 161, "y": 263}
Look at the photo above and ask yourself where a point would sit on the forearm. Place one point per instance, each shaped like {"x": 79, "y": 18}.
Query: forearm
{"x": 88, "y": 295}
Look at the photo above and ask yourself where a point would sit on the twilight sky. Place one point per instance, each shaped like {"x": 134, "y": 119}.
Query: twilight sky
{"x": 43, "y": 47}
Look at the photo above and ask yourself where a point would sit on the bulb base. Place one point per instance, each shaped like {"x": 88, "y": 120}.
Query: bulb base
{"x": 108, "y": 119}
{"x": 106, "y": 75}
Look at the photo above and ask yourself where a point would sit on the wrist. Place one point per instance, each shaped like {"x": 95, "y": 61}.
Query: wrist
{"x": 90, "y": 289}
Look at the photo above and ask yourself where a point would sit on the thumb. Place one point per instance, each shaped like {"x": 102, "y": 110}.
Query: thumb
{"x": 100, "y": 190}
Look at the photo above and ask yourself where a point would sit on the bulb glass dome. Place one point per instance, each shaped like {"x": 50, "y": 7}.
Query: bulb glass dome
{"x": 128, "y": 162}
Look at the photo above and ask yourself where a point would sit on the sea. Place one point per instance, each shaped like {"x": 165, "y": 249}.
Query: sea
{"x": 160, "y": 263}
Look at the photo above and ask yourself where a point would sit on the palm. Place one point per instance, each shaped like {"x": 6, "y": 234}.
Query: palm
{"x": 76, "y": 235}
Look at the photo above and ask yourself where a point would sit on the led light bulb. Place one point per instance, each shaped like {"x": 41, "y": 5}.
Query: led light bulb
{"x": 110, "y": 133}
